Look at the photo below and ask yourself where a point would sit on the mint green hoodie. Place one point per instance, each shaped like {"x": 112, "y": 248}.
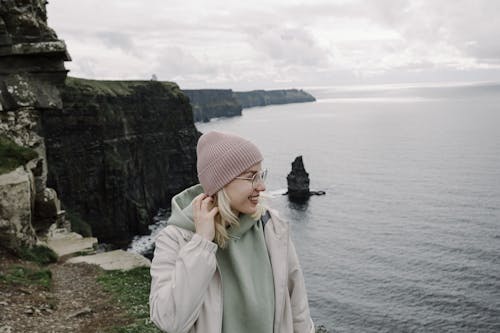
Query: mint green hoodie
{"x": 245, "y": 268}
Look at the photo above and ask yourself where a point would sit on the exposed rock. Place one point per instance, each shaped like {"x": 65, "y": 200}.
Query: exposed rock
{"x": 5, "y": 329}
{"x": 113, "y": 260}
{"x": 24, "y": 290}
{"x": 16, "y": 202}
{"x": 118, "y": 151}
{"x": 31, "y": 72}
{"x": 48, "y": 209}
{"x": 29, "y": 310}
{"x": 32, "y": 58}
{"x": 321, "y": 329}
{"x": 317, "y": 193}
{"x": 213, "y": 103}
{"x": 253, "y": 98}
{"x": 26, "y": 21}
{"x": 68, "y": 244}
{"x": 298, "y": 181}
{"x": 19, "y": 126}
{"x": 81, "y": 312}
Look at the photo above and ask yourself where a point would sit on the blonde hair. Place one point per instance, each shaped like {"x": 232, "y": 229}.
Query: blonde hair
{"x": 226, "y": 216}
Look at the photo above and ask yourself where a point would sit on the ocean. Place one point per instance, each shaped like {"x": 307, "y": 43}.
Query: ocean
{"x": 407, "y": 237}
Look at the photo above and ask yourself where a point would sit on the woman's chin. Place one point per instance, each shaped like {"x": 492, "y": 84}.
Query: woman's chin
{"x": 250, "y": 210}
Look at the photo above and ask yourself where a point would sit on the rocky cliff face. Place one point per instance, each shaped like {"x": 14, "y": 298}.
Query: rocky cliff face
{"x": 119, "y": 150}
{"x": 31, "y": 71}
{"x": 268, "y": 97}
{"x": 213, "y": 103}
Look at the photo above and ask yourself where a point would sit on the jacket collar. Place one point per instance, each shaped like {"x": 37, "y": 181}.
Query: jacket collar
{"x": 278, "y": 226}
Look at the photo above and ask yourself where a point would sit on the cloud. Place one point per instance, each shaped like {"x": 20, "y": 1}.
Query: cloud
{"x": 104, "y": 60}
{"x": 441, "y": 33}
{"x": 117, "y": 39}
{"x": 289, "y": 47}
{"x": 462, "y": 31}
{"x": 278, "y": 42}
{"x": 176, "y": 62}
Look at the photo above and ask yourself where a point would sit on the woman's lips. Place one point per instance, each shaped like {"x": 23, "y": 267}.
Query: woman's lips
{"x": 254, "y": 200}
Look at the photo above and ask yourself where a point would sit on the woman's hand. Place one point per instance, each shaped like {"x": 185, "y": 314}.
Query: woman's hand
{"x": 204, "y": 213}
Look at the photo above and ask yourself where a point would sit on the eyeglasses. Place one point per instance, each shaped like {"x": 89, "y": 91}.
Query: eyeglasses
{"x": 258, "y": 177}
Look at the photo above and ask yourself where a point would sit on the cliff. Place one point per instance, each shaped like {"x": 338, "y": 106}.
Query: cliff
{"x": 118, "y": 151}
{"x": 268, "y": 97}
{"x": 31, "y": 72}
{"x": 213, "y": 103}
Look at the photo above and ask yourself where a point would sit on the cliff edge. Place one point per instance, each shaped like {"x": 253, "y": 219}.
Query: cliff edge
{"x": 119, "y": 150}
{"x": 253, "y": 98}
{"x": 215, "y": 103}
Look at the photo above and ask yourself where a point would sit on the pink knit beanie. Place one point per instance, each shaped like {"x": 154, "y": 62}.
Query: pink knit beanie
{"x": 223, "y": 156}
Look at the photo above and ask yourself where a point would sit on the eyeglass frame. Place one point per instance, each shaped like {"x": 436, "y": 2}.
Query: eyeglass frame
{"x": 263, "y": 176}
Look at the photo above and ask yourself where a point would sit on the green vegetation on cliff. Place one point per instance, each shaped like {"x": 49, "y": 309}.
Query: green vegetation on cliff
{"x": 112, "y": 87}
{"x": 12, "y": 155}
{"x": 40, "y": 254}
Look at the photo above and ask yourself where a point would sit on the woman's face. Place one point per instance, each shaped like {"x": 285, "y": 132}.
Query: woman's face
{"x": 242, "y": 196}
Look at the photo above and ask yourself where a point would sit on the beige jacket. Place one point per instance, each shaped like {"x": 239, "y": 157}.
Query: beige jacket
{"x": 186, "y": 290}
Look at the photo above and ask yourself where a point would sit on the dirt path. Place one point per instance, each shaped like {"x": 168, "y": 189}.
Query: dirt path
{"x": 75, "y": 301}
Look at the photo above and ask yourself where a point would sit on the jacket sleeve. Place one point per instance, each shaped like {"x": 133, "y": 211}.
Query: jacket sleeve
{"x": 179, "y": 278}
{"x": 302, "y": 322}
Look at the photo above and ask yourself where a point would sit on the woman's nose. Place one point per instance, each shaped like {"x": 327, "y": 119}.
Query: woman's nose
{"x": 261, "y": 187}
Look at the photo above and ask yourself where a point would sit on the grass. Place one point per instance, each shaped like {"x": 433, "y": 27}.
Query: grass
{"x": 114, "y": 87}
{"x": 101, "y": 87}
{"x": 12, "y": 155}
{"x": 29, "y": 274}
{"x": 40, "y": 254}
{"x": 25, "y": 276}
{"x": 131, "y": 290}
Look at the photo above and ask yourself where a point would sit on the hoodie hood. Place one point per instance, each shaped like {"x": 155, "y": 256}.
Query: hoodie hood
{"x": 182, "y": 213}
{"x": 182, "y": 208}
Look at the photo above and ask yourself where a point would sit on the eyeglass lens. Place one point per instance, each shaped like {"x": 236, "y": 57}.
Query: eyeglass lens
{"x": 259, "y": 177}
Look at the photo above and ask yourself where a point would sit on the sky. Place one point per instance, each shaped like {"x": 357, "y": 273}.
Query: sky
{"x": 272, "y": 44}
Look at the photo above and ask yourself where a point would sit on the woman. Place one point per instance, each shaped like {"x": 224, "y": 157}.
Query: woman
{"x": 225, "y": 263}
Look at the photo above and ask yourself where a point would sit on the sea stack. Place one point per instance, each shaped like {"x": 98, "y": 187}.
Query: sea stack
{"x": 298, "y": 181}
